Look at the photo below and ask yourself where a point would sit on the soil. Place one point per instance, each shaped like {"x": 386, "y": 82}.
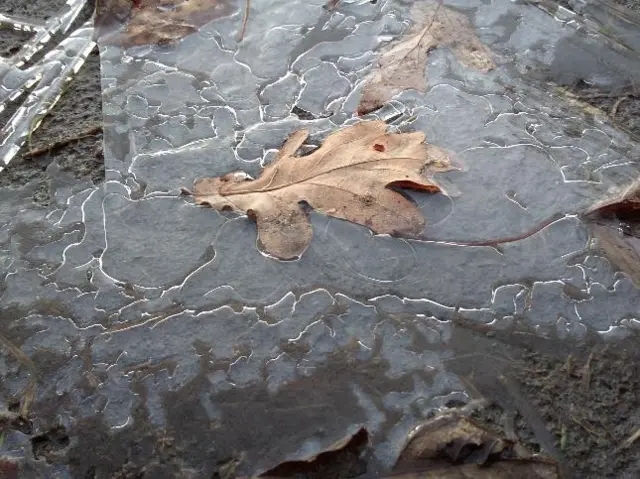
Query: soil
{"x": 621, "y": 105}
{"x": 70, "y": 137}
{"x": 590, "y": 411}
{"x": 11, "y": 40}
{"x": 38, "y": 9}
{"x": 630, "y": 4}
{"x": 577, "y": 404}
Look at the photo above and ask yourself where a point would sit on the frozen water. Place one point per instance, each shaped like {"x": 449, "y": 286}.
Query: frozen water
{"x": 134, "y": 289}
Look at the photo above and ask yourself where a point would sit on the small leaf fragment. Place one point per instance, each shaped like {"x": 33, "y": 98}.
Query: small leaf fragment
{"x": 508, "y": 469}
{"x": 346, "y": 450}
{"x": 615, "y": 223}
{"x": 401, "y": 64}
{"x": 452, "y": 446}
{"x": 149, "y": 22}
{"x": 348, "y": 177}
{"x": 623, "y": 250}
{"x": 626, "y": 205}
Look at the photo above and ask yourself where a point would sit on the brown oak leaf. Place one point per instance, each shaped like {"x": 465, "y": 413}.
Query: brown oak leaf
{"x": 401, "y": 64}
{"x": 345, "y": 453}
{"x": 348, "y": 177}
{"x": 155, "y": 21}
{"x": 615, "y": 223}
{"x": 452, "y": 446}
{"x": 625, "y": 206}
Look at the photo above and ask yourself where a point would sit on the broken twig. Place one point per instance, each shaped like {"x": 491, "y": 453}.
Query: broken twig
{"x": 614, "y": 108}
{"x": 631, "y": 439}
{"x": 592, "y": 432}
{"x": 586, "y": 375}
{"x": 59, "y": 144}
{"x": 26, "y": 361}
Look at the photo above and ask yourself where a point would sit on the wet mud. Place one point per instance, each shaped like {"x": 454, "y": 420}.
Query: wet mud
{"x": 11, "y": 40}
{"x": 621, "y": 104}
{"x": 68, "y": 140}
{"x": 39, "y": 9}
{"x": 575, "y": 402}
{"x": 576, "y": 70}
{"x": 630, "y": 4}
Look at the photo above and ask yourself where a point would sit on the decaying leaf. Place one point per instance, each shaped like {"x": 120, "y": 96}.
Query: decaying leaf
{"x": 155, "y": 21}
{"x": 9, "y": 468}
{"x": 27, "y": 362}
{"x": 446, "y": 438}
{"x": 511, "y": 469}
{"x": 623, "y": 250}
{"x": 453, "y": 446}
{"x": 615, "y": 223}
{"x": 342, "y": 456}
{"x": 348, "y": 177}
{"x": 625, "y": 205}
{"x": 401, "y": 64}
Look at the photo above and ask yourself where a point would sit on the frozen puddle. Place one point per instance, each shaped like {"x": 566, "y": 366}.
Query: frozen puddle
{"x": 138, "y": 298}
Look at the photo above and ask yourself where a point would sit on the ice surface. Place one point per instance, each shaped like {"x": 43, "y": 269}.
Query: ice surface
{"x": 133, "y": 287}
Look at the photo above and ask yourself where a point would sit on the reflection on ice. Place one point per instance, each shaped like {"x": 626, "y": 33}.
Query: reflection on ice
{"x": 140, "y": 296}
{"x": 45, "y": 79}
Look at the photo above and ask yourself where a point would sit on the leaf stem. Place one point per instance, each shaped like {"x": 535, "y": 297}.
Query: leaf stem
{"x": 245, "y": 19}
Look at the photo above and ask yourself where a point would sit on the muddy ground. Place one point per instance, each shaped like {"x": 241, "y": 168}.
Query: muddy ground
{"x": 578, "y": 404}
{"x": 70, "y": 136}
{"x": 630, "y": 4}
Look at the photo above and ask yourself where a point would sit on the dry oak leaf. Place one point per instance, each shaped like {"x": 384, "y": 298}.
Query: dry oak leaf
{"x": 452, "y": 446}
{"x": 615, "y": 223}
{"x": 345, "y": 452}
{"x": 155, "y": 21}
{"x": 401, "y": 64}
{"x": 348, "y": 177}
{"x": 626, "y": 205}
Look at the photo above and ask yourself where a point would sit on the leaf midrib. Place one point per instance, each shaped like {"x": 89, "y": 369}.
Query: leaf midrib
{"x": 291, "y": 183}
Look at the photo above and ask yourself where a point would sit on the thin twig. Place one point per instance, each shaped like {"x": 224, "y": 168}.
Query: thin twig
{"x": 568, "y": 365}
{"x": 563, "y": 437}
{"x": 30, "y": 365}
{"x": 631, "y": 439}
{"x": 59, "y": 144}
{"x": 29, "y": 395}
{"x": 593, "y": 96}
{"x": 245, "y": 19}
{"x": 592, "y": 432}
{"x": 586, "y": 375}
{"x": 18, "y": 353}
{"x": 614, "y": 108}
